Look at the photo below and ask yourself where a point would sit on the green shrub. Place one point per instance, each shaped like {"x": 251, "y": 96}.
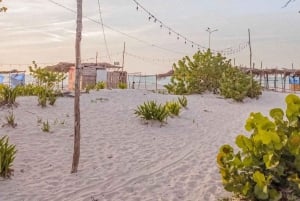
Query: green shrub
{"x": 100, "y": 85}
{"x": 122, "y": 85}
{"x": 42, "y": 97}
{"x": 8, "y": 95}
{"x": 152, "y": 111}
{"x": 183, "y": 101}
{"x": 173, "y": 108}
{"x": 10, "y": 119}
{"x": 199, "y": 74}
{"x": 51, "y": 98}
{"x": 204, "y": 72}
{"x": 238, "y": 85}
{"x": 46, "y": 127}
{"x": 267, "y": 165}
{"x": 89, "y": 87}
{"x": 7, "y": 157}
{"x": 28, "y": 90}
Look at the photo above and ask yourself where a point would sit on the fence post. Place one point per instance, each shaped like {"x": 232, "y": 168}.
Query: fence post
{"x": 156, "y": 83}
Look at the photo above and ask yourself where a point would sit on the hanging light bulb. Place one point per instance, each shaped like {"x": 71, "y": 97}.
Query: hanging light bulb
{"x": 137, "y": 7}
{"x": 161, "y": 25}
{"x": 177, "y": 36}
{"x": 155, "y": 20}
{"x": 149, "y": 18}
{"x": 169, "y": 32}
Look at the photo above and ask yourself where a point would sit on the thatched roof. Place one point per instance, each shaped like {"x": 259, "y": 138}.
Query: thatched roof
{"x": 12, "y": 71}
{"x": 167, "y": 74}
{"x": 60, "y": 67}
{"x": 65, "y": 66}
{"x": 273, "y": 71}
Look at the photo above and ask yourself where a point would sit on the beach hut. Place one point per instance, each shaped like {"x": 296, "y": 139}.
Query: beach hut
{"x": 92, "y": 73}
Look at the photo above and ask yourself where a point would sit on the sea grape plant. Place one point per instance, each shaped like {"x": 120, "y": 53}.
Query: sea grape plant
{"x": 198, "y": 74}
{"x": 267, "y": 164}
{"x": 238, "y": 85}
{"x": 214, "y": 73}
{"x": 7, "y": 157}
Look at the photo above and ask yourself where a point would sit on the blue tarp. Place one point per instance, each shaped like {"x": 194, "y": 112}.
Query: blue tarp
{"x": 17, "y": 79}
{"x": 294, "y": 80}
{"x": 1, "y": 79}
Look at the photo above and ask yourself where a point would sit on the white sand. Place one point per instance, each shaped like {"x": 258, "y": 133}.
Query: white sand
{"x": 121, "y": 158}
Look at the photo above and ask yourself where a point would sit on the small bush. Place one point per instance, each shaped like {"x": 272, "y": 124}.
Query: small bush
{"x": 238, "y": 85}
{"x": 100, "y": 85}
{"x": 46, "y": 127}
{"x": 7, "y": 157}
{"x": 89, "y": 87}
{"x": 122, "y": 85}
{"x": 173, "y": 108}
{"x": 28, "y": 90}
{"x": 183, "y": 101}
{"x": 152, "y": 111}
{"x": 8, "y": 95}
{"x": 10, "y": 119}
{"x": 267, "y": 165}
{"x": 51, "y": 98}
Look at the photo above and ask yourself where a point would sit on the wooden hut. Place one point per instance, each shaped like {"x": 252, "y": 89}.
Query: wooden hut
{"x": 92, "y": 73}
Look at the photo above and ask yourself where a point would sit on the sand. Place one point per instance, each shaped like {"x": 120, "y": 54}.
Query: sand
{"x": 122, "y": 158}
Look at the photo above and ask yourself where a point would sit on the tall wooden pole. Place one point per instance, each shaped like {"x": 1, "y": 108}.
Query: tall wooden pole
{"x": 96, "y": 58}
{"x": 76, "y": 153}
{"x": 123, "y": 61}
{"x": 251, "y": 67}
{"x": 250, "y": 48}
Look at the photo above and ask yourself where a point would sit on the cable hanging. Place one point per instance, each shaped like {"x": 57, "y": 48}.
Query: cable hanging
{"x": 153, "y": 60}
{"x": 118, "y": 31}
{"x": 104, "y": 37}
{"x": 193, "y": 44}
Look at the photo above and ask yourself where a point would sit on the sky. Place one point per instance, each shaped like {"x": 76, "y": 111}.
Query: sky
{"x": 42, "y": 31}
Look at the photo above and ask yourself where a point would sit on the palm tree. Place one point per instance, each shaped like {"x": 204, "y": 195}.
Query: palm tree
{"x": 76, "y": 153}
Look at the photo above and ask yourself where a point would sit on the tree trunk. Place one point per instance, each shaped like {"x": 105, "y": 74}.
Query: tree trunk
{"x": 76, "y": 153}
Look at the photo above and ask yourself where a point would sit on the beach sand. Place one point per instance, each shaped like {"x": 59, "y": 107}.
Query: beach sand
{"x": 122, "y": 158}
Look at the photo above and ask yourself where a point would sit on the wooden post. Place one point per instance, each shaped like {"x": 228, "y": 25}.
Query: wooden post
{"x": 275, "y": 81}
{"x": 96, "y": 58}
{"x": 76, "y": 153}
{"x": 156, "y": 83}
{"x": 260, "y": 74}
{"x": 123, "y": 60}
{"x": 250, "y": 50}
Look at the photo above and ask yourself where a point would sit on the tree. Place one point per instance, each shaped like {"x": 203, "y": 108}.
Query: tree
{"x": 2, "y": 9}
{"x": 76, "y": 153}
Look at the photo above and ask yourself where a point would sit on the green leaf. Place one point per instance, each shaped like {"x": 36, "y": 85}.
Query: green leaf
{"x": 277, "y": 114}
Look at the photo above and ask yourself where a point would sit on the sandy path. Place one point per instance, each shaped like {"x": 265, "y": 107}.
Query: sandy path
{"x": 121, "y": 158}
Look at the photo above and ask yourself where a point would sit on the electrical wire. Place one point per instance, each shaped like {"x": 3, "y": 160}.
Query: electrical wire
{"x": 104, "y": 36}
{"x": 118, "y": 31}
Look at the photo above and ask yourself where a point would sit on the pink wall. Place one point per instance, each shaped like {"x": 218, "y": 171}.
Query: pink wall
{"x": 71, "y": 84}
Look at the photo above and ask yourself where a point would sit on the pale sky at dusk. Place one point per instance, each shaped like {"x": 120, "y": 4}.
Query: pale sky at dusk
{"x": 42, "y": 31}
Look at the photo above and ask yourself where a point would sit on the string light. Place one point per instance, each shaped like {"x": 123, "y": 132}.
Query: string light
{"x": 192, "y": 43}
{"x": 118, "y": 31}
